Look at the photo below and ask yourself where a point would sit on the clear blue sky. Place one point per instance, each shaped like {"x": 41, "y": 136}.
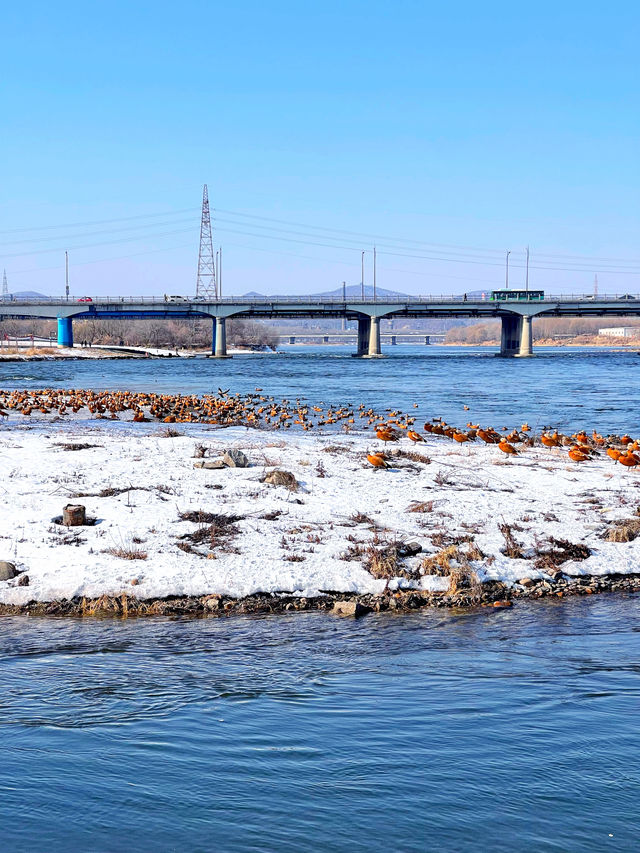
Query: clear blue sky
{"x": 459, "y": 129}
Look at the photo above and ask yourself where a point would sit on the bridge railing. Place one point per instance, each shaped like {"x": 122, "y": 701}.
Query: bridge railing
{"x": 311, "y": 300}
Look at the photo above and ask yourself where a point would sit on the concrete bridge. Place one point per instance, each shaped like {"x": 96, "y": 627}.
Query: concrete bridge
{"x": 392, "y": 338}
{"x": 515, "y": 313}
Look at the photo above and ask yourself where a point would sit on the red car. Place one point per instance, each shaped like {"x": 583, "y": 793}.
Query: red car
{"x": 85, "y": 299}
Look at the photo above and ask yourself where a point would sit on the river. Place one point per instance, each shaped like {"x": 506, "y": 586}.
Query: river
{"x": 510, "y": 730}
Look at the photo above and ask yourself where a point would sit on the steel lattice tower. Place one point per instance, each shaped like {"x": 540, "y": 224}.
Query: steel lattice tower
{"x": 206, "y": 286}
{"x": 5, "y": 285}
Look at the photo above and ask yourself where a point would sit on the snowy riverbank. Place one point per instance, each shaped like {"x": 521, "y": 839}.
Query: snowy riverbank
{"x": 346, "y": 527}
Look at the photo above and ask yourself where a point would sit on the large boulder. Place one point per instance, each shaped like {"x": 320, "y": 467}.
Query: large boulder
{"x": 7, "y": 571}
{"x": 235, "y": 459}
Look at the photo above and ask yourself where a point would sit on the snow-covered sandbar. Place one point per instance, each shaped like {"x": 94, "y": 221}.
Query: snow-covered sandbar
{"x": 441, "y": 524}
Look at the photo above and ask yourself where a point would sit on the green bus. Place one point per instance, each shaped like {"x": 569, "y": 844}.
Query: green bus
{"x": 517, "y": 295}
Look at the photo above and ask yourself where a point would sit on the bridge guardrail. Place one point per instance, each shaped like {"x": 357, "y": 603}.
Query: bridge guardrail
{"x": 313, "y": 300}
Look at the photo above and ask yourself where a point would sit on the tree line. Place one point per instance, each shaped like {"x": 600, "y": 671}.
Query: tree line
{"x": 169, "y": 334}
{"x": 543, "y": 328}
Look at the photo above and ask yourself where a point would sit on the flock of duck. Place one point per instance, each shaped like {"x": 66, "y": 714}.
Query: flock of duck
{"x": 259, "y": 410}
{"x": 581, "y": 447}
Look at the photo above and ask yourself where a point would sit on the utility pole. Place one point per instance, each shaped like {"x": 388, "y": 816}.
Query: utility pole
{"x": 220, "y": 278}
{"x": 506, "y": 284}
{"x": 362, "y": 278}
{"x": 344, "y": 299}
{"x": 5, "y": 285}
{"x": 526, "y": 281}
{"x": 595, "y": 284}
{"x": 66, "y": 274}
{"x": 207, "y": 283}
{"x": 374, "y": 273}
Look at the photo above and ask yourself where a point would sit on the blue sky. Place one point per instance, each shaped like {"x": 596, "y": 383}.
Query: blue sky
{"x": 445, "y": 133}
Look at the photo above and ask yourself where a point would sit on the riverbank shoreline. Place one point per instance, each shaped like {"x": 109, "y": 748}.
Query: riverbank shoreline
{"x": 495, "y": 595}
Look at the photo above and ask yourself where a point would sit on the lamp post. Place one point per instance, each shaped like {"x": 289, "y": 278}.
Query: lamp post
{"x": 362, "y": 278}
{"x": 374, "y": 273}
{"x": 506, "y": 283}
{"x": 526, "y": 279}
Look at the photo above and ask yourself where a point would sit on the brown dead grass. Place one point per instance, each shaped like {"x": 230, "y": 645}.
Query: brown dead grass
{"x": 624, "y": 530}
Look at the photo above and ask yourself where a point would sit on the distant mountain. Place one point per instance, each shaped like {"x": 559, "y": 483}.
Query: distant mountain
{"x": 355, "y": 290}
{"x": 351, "y": 291}
{"x": 28, "y": 294}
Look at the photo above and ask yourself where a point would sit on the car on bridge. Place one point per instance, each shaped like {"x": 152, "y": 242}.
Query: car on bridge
{"x": 627, "y": 297}
{"x": 168, "y": 298}
{"x": 85, "y": 299}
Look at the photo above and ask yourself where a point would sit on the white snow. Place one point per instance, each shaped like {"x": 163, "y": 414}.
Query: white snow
{"x": 473, "y": 489}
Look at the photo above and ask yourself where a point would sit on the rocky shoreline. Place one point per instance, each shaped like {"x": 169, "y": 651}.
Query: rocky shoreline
{"x": 492, "y": 594}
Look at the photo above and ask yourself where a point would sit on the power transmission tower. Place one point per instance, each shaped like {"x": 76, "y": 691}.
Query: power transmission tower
{"x": 5, "y": 285}
{"x": 207, "y": 285}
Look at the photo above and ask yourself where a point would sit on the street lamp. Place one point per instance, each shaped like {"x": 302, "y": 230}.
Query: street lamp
{"x": 507, "y": 272}
{"x": 362, "y": 278}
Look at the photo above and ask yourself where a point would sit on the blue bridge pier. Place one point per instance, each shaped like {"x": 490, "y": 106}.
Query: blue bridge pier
{"x": 65, "y": 332}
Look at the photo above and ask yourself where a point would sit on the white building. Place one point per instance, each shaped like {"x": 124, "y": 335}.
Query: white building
{"x": 620, "y": 331}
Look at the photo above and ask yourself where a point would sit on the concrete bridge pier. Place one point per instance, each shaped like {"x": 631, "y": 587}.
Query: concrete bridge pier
{"x": 65, "y": 332}
{"x": 220, "y": 338}
{"x": 374, "y": 350}
{"x": 516, "y": 338}
{"x": 364, "y": 326}
{"x": 526, "y": 348}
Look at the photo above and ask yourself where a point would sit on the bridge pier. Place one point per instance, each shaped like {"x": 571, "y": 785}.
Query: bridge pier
{"x": 516, "y": 339}
{"x": 526, "y": 348}
{"x": 363, "y": 337}
{"x": 374, "y": 350}
{"x": 292, "y": 339}
{"x": 220, "y": 338}
{"x": 427, "y": 342}
{"x": 65, "y": 332}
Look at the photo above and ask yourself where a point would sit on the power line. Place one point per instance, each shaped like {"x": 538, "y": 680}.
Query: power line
{"x": 100, "y": 221}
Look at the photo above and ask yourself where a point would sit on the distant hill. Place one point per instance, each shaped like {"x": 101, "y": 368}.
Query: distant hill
{"x": 355, "y": 290}
{"x": 28, "y": 294}
{"x": 351, "y": 291}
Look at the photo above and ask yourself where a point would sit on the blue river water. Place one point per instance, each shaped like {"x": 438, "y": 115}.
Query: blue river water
{"x": 568, "y": 388}
{"x": 510, "y": 730}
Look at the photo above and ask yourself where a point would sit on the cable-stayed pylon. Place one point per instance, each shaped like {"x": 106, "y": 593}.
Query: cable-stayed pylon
{"x": 206, "y": 285}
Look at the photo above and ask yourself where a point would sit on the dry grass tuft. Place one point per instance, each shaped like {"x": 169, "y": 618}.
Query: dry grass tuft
{"x": 127, "y": 553}
{"x": 512, "y": 548}
{"x": 560, "y": 551}
{"x": 382, "y": 562}
{"x": 440, "y": 564}
{"x": 355, "y": 551}
{"x": 624, "y": 530}
{"x": 76, "y": 446}
{"x": 413, "y": 456}
{"x": 214, "y": 531}
{"x": 361, "y": 518}
{"x": 420, "y": 506}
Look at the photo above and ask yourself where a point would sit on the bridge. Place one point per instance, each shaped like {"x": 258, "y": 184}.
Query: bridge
{"x": 392, "y": 338}
{"x": 516, "y": 314}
